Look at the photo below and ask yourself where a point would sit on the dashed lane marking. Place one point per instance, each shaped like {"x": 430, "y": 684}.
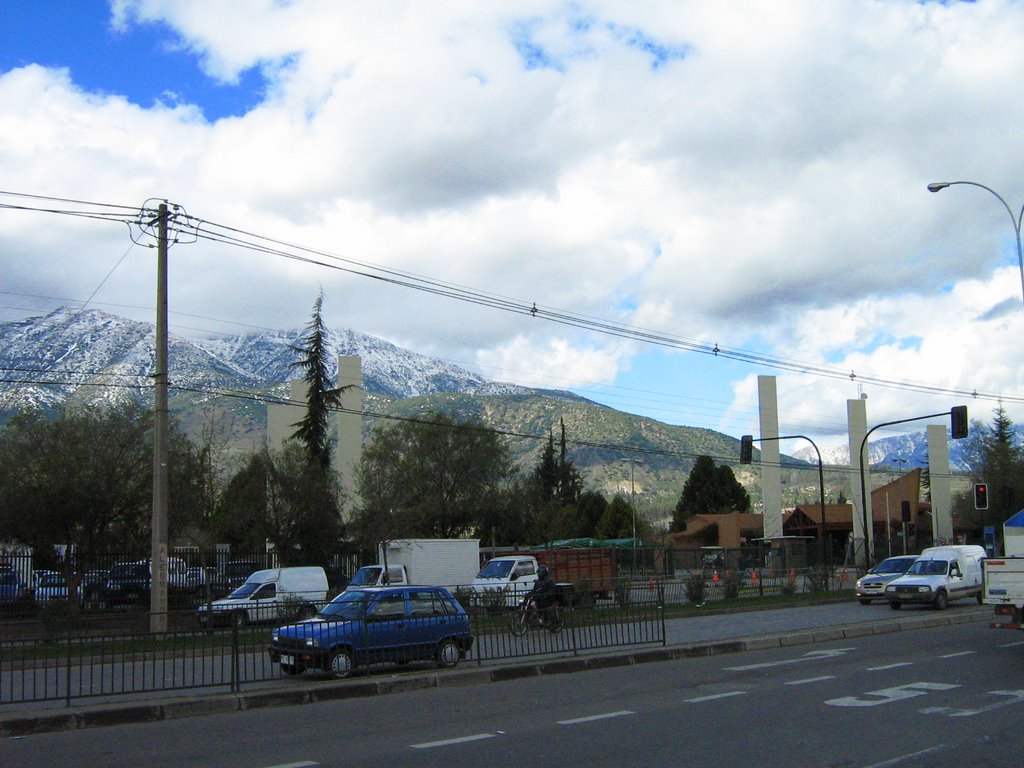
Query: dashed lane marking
{"x": 591, "y": 718}
{"x": 458, "y": 740}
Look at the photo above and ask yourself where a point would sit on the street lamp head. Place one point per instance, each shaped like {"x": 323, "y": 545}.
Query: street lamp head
{"x": 937, "y": 186}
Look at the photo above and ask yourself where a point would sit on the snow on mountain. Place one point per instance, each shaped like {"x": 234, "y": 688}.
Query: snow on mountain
{"x": 908, "y": 451}
{"x": 51, "y": 358}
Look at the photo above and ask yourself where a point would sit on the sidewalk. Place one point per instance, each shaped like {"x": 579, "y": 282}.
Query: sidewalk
{"x": 719, "y": 632}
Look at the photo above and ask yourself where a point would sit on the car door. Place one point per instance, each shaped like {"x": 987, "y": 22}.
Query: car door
{"x": 264, "y": 603}
{"x": 429, "y": 621}
{"x": 386, "y": 629}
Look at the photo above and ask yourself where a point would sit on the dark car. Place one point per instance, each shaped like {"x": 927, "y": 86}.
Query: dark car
{"x": 871, "y": 586}
{"x": 12, "y": 589}
{"x": 371, "y": 625}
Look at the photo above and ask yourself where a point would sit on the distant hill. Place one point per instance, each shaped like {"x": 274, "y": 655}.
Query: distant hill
{"x": 70, "y": 356}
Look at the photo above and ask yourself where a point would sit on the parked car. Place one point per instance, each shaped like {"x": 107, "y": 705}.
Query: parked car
{"x": 270, "y": 595}
{"x": 369, "y": 625}
{"x": 50, "y": 586}
{"x": 871, "y": 586}
{"x": 13, "y": 591}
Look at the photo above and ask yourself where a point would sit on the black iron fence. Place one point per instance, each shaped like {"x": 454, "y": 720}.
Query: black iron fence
{"x": 91, "y": 659}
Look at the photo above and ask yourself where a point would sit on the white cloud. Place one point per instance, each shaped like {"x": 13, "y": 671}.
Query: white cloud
{"x": 748, "y": 174}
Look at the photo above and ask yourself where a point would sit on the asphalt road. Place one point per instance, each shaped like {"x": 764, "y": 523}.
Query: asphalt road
{"x": 938, "y": 696}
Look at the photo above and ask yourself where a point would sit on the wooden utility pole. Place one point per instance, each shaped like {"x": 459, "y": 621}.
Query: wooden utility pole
{"x": 158, "y": 563}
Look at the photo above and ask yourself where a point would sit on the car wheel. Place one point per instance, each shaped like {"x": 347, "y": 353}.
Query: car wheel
{"x": 864, "y": 602}
{"x": 342, "y": 663}
{"x": 239, "y": 619}
{"x": 292, "y": 669}
{"x": 895, "y": 604}
{"x": 941, "y": 601}
{"x": 447, "y": 654}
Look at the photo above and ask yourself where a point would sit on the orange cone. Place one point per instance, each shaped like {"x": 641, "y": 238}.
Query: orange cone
{"x": 754, "y": 578}
{"x": 714, "y": 577}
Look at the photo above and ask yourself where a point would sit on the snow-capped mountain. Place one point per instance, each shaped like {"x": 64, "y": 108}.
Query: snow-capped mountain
{"x": 95, "y": 356}
{"x": 907, "y": 451}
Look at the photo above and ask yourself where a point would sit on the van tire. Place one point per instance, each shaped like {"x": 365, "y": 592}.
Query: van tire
{"x": 864, "y": 602}
{"x": 342, "y": 664}
{"x": 941, "y": 600}
{"x": 895, "y": 604}
{"x": 448, "y": 654}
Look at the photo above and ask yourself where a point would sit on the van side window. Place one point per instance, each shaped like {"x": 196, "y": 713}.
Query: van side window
{"x": 266, "y": 592}
{"x": 954, "y": 569}
{"x": 524, "y": 569}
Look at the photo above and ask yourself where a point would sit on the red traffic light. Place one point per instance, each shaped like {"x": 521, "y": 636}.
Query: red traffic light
{"x": 981, "y": 495}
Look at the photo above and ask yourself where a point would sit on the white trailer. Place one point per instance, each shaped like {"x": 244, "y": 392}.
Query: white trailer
{"x": 1004, "y": 577}
{"x": 430, "y": 562}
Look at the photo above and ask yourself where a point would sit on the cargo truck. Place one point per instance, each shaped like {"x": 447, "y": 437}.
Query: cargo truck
{"x": 586, "y": 572}
{"x": 450, "y": 563}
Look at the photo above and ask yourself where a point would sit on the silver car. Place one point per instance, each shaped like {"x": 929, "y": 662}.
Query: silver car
{"x": 871, "y": 586}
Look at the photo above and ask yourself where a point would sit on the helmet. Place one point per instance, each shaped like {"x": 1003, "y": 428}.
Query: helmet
{"x": 543, "y": 572}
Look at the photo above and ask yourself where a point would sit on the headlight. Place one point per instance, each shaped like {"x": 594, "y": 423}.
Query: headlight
{"x": 890, "y": 589}
{"x": 860, "y": 583}
{"x": 924, "y": 588}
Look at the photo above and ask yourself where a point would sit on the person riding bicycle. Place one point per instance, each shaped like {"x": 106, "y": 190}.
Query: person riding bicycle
{"x": 544, "y": 592}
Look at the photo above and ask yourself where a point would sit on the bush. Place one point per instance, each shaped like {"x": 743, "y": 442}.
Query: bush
{"x": 696, "y": 589}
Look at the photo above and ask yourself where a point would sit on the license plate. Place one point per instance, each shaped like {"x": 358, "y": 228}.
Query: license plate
{"x": 287, "y": 661}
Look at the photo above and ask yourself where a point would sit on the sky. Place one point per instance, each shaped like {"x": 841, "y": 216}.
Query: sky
{"x": 660, "y": 180}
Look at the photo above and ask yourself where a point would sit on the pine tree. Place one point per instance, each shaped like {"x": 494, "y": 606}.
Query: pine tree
{"x": 312, "y": 430}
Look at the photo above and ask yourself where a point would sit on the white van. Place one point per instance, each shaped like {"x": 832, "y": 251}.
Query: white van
{"x": 938, "y": 576}
{"x": 266, "y": 595}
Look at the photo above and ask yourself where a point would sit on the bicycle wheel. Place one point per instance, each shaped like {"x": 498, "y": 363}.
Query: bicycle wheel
{"x": 519, "y": 623}
{"x": 555, "y": 619}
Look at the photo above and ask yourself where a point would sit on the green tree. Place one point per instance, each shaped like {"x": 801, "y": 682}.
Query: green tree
{"x": 284, "y": 498}
{"x": 433, "y": 479}
{"x": 617, "y": 520}
{"x": 312, "y": 431}
{"x": 709, "y": 489}
{"x": 591, "y": 506}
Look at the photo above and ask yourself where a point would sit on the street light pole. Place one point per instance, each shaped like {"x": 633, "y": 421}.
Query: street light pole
{"x": 632, "y": 504}
{"x": 1016, "y": 220}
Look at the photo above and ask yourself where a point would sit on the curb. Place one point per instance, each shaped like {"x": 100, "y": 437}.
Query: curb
{"x": 17, "y": 725}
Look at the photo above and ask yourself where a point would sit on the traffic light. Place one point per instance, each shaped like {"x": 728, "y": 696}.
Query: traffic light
{"x": 905, "y": 511}
{"x": 746, "y": 449}
{"x": 981, "y": 495}
{"x": 958, "y": 421}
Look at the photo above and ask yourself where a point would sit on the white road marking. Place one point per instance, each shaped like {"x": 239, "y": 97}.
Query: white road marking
{"x": 911, "y": 756}
{"x": 1016, "y": 698}
{"x": 450, "y": 742}
{"x": 591, "y": 718}
{"x": 1011, "y": 645}
{"x": 715, "y": 696}
{"x": 812, "y": 656}
{"x": 807, "y": 680}
{"x": 891, "y": 666}
{"x": 889, "y": 695}
{"x": 954, "y": 655}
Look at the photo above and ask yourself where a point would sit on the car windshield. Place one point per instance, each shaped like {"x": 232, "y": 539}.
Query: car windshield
{"x": 496, "y": 569}
{"x": 245, "y": 590}
{"x": 892, "y": 565}
{"x": 129, "y": 571}
{"x": 350, "y": 604}
{"x": 929, "y": 568}
{"x": 366, "y": 576}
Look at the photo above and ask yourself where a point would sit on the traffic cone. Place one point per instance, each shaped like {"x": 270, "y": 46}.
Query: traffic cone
{"x": 714, "y": 577}
{"x": 754, "y": 578}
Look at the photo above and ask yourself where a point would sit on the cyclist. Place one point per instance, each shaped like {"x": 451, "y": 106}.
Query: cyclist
{"x": 544, "y": 592}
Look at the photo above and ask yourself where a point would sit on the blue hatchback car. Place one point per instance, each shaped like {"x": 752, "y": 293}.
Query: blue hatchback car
{"x": 372, "y": 625}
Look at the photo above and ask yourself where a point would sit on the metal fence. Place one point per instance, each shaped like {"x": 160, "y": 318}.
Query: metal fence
{"x": 89, "y": 660}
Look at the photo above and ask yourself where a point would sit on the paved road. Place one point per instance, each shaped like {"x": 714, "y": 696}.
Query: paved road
{"x": 719, "y": 632}
{"x": 932, "y": 697}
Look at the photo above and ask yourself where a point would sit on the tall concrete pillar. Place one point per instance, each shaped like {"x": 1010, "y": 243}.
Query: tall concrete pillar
{"x": 349, "y": 424}
{"x": 938, "y": 472}
{"x": 857, "y": 420}
{"x": 771, "y": 473}
{"x": 282, "y": 417}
